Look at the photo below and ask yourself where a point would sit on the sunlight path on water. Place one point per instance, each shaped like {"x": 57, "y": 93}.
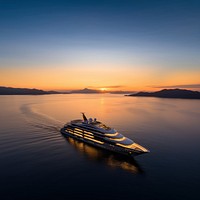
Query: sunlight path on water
{"x": 37, "y": 162}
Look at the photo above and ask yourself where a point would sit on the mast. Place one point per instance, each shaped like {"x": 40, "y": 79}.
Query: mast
{"x": 84, "y": 117}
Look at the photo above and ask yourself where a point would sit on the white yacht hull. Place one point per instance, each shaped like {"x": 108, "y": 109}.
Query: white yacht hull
{"x": 106, "y": 146}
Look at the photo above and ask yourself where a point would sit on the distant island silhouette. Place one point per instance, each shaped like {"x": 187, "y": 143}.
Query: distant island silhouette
{"x": 23, "y": 91}
{"x": 169, "y": 93}
{"x": 165, "y": 93}
{"x": 34, "y": 91}
{"x": 87, "y": 91}
{"x": 28, "y": 91}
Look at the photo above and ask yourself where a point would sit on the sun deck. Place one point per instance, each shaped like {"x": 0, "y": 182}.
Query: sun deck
{"x": 96, "y": 124}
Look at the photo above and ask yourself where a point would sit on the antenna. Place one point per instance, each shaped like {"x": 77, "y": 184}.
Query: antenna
{"x": 84, "y": 117}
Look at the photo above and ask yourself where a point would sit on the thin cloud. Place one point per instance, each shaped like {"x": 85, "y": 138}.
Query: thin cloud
{"x": 108, "y": 86}
{"x": 178, "y": 86}
{"x": 112, "y": 86}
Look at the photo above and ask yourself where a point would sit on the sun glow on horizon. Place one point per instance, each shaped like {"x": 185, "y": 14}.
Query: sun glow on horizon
{"x": 103, "y": 89}
{"x": 103, "y": 79}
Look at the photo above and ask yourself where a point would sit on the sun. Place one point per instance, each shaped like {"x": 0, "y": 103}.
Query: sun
{"x": 103, "y": 89}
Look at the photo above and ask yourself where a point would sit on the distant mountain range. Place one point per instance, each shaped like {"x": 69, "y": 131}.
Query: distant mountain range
{"x": 92, "y": 91}
{"x": 166, "y": 93}
{"x": 28, "y": 91}
{"x": 170, "y": 93}
{"x": 23, "y": 91}
{"x": 86, "y": 91}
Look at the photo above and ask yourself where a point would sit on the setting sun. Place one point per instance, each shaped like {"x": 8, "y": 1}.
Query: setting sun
{"x": 103, "y": 89}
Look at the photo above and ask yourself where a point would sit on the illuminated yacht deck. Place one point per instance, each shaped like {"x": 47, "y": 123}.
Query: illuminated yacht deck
{"x": 93, "y": 131}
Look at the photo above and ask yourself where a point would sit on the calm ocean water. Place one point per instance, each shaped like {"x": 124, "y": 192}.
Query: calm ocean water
{"x": 37, "y": 162}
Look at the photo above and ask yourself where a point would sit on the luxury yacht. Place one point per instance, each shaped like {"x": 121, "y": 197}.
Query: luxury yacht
{"x": 98, "y": 134}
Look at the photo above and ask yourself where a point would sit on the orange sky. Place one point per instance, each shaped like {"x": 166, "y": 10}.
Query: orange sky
{"x": 109, "y": 77}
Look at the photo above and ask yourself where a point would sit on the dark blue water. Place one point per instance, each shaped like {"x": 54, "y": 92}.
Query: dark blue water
{"x": 37, "y": 162}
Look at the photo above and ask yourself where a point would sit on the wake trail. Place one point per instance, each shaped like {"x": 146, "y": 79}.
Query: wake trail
{"x": 40, "y": 120}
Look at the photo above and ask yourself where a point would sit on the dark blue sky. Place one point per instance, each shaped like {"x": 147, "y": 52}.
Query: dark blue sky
{"x": 160, "y": 33}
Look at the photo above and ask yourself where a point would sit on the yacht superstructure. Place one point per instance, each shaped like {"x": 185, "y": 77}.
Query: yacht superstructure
{"x": 98, "y": 134}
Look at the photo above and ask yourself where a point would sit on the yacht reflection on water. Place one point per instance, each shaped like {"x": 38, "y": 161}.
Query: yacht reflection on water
{"x": 113, "y": 160}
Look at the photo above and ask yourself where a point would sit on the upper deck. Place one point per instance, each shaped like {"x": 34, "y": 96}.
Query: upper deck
{"x": 95, "y": 124}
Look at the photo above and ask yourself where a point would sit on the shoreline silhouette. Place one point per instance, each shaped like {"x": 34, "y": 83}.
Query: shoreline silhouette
{"x": 169, "y": 93}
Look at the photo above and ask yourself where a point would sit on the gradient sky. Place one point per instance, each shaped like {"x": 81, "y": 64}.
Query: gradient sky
{"x": 117, "y": 44}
